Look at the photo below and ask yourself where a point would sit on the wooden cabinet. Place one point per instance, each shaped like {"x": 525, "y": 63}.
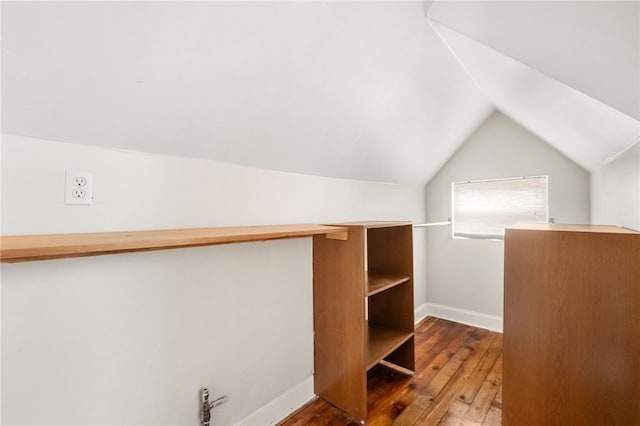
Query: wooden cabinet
{"x": 571, "y": 326}
{"x": 363, "y": 309}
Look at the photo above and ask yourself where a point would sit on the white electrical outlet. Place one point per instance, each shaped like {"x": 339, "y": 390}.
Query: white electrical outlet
{"x": 78, "y": 188}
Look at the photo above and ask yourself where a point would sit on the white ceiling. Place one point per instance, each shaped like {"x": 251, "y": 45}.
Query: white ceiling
{"x": 362, "y": 90}
{"x": 584, "y": 129}
{"x": 592, "y": 46}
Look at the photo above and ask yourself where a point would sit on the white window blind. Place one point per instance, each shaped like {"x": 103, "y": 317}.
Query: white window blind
{"x": 482, "y": 209}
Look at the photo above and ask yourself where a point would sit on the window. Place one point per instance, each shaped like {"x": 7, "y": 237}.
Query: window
{"x": 482, "y": 209}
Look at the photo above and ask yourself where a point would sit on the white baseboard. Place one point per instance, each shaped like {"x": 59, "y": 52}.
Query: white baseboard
{"x": 282, "y": 406}
{"x": 476, "y": 319}
{"x": 421, "y": 312}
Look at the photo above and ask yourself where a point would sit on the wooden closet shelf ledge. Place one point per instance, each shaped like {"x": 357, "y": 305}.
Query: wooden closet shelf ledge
{"x": 23, "y": 248}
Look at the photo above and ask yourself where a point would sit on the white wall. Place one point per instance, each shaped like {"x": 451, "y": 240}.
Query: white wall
{"x": 465, "y": 277}
{"x": 131, "y": 338}
{"x": 615, "y": 191}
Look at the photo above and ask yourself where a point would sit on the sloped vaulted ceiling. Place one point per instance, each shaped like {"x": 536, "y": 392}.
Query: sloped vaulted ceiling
{"x": 591, "y": 46}
{"x": 568, "y": 71}
{"x": 364, "y": 90}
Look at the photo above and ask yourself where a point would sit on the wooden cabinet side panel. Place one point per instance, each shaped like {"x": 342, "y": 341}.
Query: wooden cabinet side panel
{"x": 572, "y": 328}
{"x": 339, "y": 328}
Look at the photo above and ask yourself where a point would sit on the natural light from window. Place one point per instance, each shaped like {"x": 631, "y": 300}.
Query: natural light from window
{"x": 484, "y": 208}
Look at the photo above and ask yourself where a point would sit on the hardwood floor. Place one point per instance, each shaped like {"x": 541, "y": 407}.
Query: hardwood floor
{"x": 458, "y": 381}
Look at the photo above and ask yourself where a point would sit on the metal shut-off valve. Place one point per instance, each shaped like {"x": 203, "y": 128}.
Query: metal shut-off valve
{"x": 208, "y": 406}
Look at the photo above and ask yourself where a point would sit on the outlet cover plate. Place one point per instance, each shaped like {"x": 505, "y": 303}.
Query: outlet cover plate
{"x": 78, "y": 188}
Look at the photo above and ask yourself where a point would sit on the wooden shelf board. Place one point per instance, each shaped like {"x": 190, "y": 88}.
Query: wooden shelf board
{"x": 374, "y": 224}
{"x": 382, "y": 341}
{"x": 376, "y": 283}
{"x": 22, "y": 248}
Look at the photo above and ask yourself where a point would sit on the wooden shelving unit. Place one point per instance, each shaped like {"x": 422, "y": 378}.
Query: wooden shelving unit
{"x": 363, "y": 309}
{"x": 23, "y": 248}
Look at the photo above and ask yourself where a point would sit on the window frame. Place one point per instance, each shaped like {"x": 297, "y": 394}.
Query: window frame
{"x": 493, "y": 237}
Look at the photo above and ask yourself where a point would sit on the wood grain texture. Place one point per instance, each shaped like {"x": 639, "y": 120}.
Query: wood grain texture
{"x": 448, "y": 356}
{"x": 390, "y": 251}
{"x": 22, "y": 248}
{"x": 572, "y": 327}
{"x": 373, "y": 224}
{"x": 375, "y": 283}
{"x": 562, "y": 227}
{"x": 338, "y": 319}
{"x": 353, "y": 332}
{"x": 381, "y": 341}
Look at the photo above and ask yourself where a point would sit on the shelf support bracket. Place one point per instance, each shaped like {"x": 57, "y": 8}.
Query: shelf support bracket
{"x": 343, "y": 236}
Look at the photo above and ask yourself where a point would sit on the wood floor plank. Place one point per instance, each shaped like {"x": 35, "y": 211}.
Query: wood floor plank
{"x": 493, "y": 417}
{"x": 477, "y": 349}
{"x": 384, "y": 408}
{"x": 441, "y": 358}
{"x": 445, "y": 374}
{"x": 451, "y": 360}
{"x": 487, "y": 393}
{"x": 459, "y": 407}
{"x": 456, "y": 412}
{"x": 433, "y": 370}
{"x": 498, "y": 400}
{"x": 433, "y": 341}
{"x": 438, "y": 344}
{"x": 471, "y": 388}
